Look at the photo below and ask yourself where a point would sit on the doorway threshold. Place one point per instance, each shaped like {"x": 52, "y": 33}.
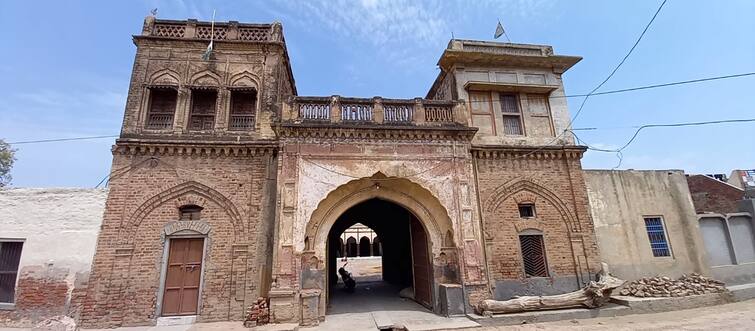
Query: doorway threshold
{"x": 176, "y": 320}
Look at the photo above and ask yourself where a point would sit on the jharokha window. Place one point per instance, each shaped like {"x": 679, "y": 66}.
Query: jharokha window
{"x": 533, "y": 255}
{"x": 512, "y": 115}
{"x": 243, "y": 109}
{"x": 202, "y": 110}
{"x": 190, "y": 213}
{"x": 162, "y": 108}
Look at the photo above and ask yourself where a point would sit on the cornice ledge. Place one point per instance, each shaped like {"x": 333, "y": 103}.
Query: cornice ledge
{"x": 530, "y": 153}
{"x": 184, "y": 149}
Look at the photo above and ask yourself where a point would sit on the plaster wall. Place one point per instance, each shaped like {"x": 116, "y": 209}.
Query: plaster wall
{"x": 59, "y": 228}
{"x": 619, "y": 201}
{"x": 539, "y": 129}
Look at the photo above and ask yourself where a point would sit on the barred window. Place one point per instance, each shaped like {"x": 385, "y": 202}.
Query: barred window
{"x": 162, "y": 108}
{"x": 533, "y": 255}
{"x": 202, "y": 109}
{"x": 512, "y": 115}
{"x": 10, "y": 255}
{"x": 657, "y": 236}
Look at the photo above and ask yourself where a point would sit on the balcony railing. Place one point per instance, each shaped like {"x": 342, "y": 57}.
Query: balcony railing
{"x": 193, "y": 29}
{"x": 374, "y": 111}
{"x": 241, "y": 122}
{"x": 159, "y": 121}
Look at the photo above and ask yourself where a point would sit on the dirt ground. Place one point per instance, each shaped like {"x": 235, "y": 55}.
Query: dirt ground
{"x": 733, "y": 316}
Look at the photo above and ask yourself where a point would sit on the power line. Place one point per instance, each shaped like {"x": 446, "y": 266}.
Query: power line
{"x": 59, "y": 139}
{"x": 646, "y": 87}
{"x": 619, "y": 150}
{"x": 637, "y": 42}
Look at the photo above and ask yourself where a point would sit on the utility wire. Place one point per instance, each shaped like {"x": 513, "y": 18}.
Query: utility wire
{"x": 619, "y": 150}
{"x": 59, "y": 139}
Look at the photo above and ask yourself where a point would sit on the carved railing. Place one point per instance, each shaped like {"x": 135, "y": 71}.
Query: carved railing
{"x": 356, "y": 112}
{"x": 240, "y": 122}
{"x": 398, "y": 113}
{"x": 160, "y": 121}
{"x": 314, "y": 111}
{"x": 439, "y": 113}
{"x": 336, "y": 109}
{"x": 193, "y": 29}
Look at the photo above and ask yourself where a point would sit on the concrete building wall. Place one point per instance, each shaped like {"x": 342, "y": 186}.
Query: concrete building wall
{"x": 619, "y": 201}
{"x": 59, "y": 230}
{"x": 730, "y": 243}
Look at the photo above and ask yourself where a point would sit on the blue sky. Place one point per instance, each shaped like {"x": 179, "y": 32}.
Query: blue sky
{"x": 65, "y": 66}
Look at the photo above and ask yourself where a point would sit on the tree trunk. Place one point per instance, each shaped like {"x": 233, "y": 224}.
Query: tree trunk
{"x": 594, "y": 295}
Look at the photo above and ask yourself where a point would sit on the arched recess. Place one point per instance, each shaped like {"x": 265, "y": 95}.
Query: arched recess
{"x": 165, "y": 77}
{"x": 364, "y": 246}
{"x": 205, "y": 78}
{"x": 412, "y": 196}
{"x": 376, "y": 247}
{"x": 244, "y": 79}
{"x": 351, "y": 247}
{"x": 184, "y": 194}
{"x": 505, "y": 191}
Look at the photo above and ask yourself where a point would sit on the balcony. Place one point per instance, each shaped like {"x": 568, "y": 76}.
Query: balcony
{"x": 373, "y": 111}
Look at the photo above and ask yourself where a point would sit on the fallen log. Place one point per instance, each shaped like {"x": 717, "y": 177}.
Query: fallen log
{"x": 594, "y": 295}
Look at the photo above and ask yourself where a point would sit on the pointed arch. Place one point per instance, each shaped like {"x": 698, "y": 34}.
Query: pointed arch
{"x": 506, "y": 191}
{"x": 244, "y": 79}
{"x": 205, "y": 78}
{"x": 165, "y": 77}
{"x": 418, "y": 200}
{"x": 190, "y": 192}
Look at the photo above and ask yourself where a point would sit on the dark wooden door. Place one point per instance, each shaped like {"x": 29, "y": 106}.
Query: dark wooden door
{"x": 421, "y": 265}
{"x": 182, "y": 277}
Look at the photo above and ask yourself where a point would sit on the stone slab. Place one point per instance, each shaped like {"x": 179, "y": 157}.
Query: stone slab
{"x": 657, "y": 305}
{"x": 176, "y": 320}
{"x": 277, "y": 327}
{"x": 742, "y": 292}
{"x": 610, "y": 310}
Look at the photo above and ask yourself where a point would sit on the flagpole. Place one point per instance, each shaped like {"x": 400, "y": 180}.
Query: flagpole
{"x": 504, "y": 31}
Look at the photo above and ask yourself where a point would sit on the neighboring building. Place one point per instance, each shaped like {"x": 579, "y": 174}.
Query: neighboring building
{"x": 359, "y": 241}
{"x": 47, "y": 240}
{"x": 645, "y": 223}
{"x": 744, "y": 179}
{"x": 227, "y": 186}
{"x": 730, "y": 243}
{"x": 711, "y": 195}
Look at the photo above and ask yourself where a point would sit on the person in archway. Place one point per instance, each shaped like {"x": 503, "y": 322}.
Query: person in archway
{"x": 348, "y": 281}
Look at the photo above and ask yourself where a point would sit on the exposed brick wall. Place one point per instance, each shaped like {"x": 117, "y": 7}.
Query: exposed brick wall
{"x": 713, "y": 196}
{"x": 40, "y": 293}
{"x": 125, "y": 282}
{"x": 556, "y": 186}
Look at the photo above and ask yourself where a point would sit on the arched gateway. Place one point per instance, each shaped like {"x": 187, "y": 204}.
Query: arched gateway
{"x": 414, "y": 230}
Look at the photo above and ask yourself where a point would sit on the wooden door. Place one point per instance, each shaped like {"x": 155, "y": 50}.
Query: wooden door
{"x": 421, "y": 265}
{"x": 182, "y": 277}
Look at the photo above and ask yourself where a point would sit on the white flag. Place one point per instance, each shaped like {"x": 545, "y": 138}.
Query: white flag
{"x": 499, "y": 31}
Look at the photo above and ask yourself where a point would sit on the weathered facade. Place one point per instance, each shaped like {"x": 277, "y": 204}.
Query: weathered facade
{"x": 226, "y": 185}
{"x": 645, "y": 223}
{"x": 47, "y": 240}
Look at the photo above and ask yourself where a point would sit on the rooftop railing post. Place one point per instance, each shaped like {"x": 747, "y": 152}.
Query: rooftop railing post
{"x": 460, "y": 112}
{"x": 149, "y": 25}
{"x": 335, "y": 109}
{"x": 377, "y": 110}
{"x": 419, "y": 112}
{"x": 233, "y": 31}
{"x": 191, "y": 28}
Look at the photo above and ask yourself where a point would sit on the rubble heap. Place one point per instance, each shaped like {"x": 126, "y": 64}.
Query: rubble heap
{"x": 692, "y": 284}
{"x": 258, "y": 313}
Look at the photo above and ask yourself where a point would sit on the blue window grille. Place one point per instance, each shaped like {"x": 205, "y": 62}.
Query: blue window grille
{"x": 657, "y": 236}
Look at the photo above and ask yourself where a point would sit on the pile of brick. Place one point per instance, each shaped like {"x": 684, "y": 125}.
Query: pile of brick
{"x": 692, "y": 284}
{"x": 258, "y": 313}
